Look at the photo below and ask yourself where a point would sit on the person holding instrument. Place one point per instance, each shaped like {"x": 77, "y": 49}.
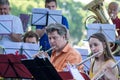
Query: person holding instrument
{"x": 62, "y": 53}
{"x": 104, "y": 61}
{"x": 52, "y": 5}
{"x": 113, "y": 9}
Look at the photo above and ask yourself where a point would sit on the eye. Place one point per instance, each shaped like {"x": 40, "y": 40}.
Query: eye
{"x": 95, "y": 44}
{"x": 33, "y": 42}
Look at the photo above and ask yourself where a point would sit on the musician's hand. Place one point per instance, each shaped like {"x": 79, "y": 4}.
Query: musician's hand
{"x": 109, "y": 74}
{"x": 41, "y": 54}
{"x": 118, "y": 38}
{"x": 16, "y": 37}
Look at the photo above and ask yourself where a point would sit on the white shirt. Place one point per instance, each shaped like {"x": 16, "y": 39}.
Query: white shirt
{"x": 16, "y": 27}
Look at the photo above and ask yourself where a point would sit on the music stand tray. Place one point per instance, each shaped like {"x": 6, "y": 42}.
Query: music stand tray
{"x": 11, "y": 67}
{"x": 41, "y": 69}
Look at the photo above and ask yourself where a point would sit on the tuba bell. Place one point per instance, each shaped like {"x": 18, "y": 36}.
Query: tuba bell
{"x": 101, "y": 16}
{"x": 100, "y": 11}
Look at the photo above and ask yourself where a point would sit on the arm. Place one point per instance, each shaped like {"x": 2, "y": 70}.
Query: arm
{"x": 40, "y": 30}
{"x": 107, "y": 70}
{"x": 17, "y": 30}
{"x": 15, "y": 37}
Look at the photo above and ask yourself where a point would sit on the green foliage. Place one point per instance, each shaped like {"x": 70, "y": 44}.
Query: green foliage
{"x": 74, "y": 13}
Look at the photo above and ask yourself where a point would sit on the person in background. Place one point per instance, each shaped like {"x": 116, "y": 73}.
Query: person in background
{"x": 31, "y": 41}
{"x": 113, "y": 9}
{"x": 52, "y": 5}
{"x": 104, "y": 61}
{"x": 17, "y": 31}
{"x": 31, "y": 37}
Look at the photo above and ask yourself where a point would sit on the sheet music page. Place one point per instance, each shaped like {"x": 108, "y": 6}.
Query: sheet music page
{"x": 11, "y": 47}
{"x": 6, "y": 24}
{"x": 44, "y": 16}
{"x": 107, "y": 29}
{"x": 75, "y": 73}
{"x": 55, "y": 16}
{"x": 30, "y": 49}
{"x": 39, "y": 16}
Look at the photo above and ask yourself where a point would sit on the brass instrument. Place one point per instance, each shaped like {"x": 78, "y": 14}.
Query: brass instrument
{"x": 100, "y": 11}
{"x": 102, "y": 16}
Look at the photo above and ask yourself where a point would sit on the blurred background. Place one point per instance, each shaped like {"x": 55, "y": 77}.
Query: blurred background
{"x": 72, "y": 9}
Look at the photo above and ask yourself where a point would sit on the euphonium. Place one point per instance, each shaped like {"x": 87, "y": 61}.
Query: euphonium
{"x": 100, "y": 11}
{"x": 101, "y": 15}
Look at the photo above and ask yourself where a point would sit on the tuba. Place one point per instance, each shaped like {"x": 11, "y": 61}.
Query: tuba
{"x": 101, "y": 16}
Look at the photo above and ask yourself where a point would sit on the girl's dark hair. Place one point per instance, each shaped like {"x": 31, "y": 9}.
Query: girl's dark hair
{"x": 108, "y": 53}
{"x": 103, "y": 39}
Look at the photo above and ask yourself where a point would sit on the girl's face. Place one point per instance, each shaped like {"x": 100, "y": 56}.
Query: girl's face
{"x": 96, "y": 46}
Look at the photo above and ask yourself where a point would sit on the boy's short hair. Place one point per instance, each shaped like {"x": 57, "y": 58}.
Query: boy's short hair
{"x": 30, "y": 34}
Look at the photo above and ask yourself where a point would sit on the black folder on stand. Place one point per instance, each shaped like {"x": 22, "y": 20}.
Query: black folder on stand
{"x": 41, "y": 69}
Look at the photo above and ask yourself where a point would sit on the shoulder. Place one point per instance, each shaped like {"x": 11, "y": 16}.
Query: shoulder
{"x": 110, "y": 63}
{"x": 14, "y": 17}
{"x": 65, "y": 22}
{"x": 63, "y": 17}
{"x": 75, "y": 53}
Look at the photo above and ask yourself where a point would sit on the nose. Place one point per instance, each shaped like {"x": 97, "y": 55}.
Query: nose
{"x": 93, "y": 49}
{"x": 51, "y": 41}
{"x": 51, "y": 8}
{"x": 2, "y": 11}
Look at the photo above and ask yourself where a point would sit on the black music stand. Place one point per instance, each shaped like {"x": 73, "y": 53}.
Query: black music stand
{"x": 41, "y": 69}
{"x": 11, "y": 67}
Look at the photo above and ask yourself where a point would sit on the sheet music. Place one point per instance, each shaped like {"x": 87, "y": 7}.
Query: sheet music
{"x": 30, "y": 49}
{"x": 54, "y": 16}
{"x": 11, "y": 47}
{"x": 107, "y": 29}
{"x": 39, "y": 16}
{"x": 75, "y": 73}
{"x": 6, "y": 24}
{"x": 44, "y": 16}
{"x": 27, "y": 49}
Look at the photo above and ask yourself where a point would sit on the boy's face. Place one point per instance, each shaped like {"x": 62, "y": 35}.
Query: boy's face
{"x": 4, "y": 9}
{"x": 52, "y": 5}
{"x": 31, "y": 40}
